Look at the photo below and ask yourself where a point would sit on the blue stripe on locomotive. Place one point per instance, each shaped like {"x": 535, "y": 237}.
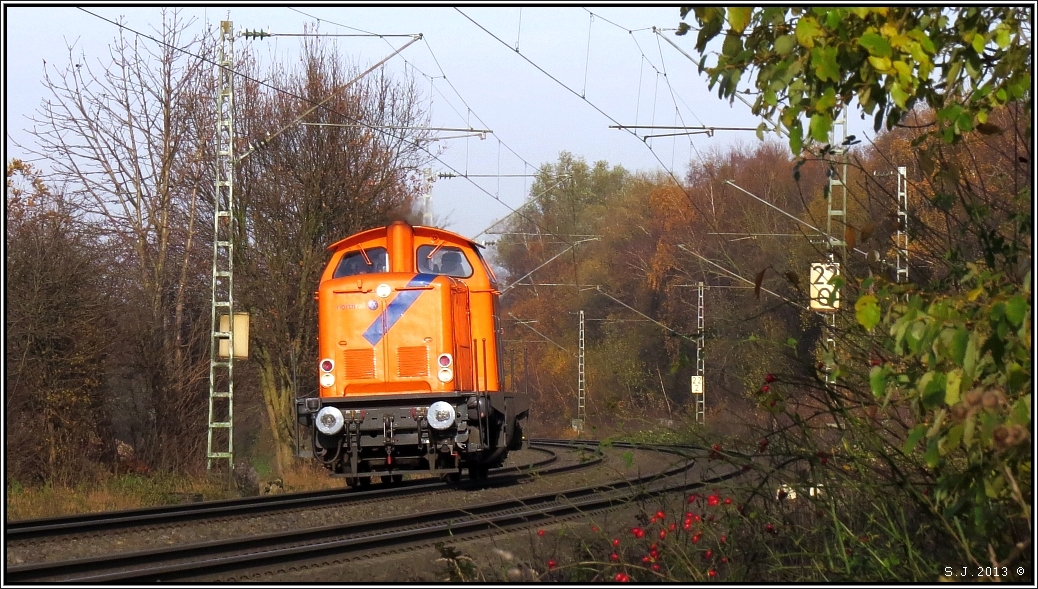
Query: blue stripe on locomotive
{"x": 396, "y": 309}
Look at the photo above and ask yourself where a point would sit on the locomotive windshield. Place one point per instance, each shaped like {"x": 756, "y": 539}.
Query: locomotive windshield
{"x": 367, "y": 261}
{"x": 446, "y": 260}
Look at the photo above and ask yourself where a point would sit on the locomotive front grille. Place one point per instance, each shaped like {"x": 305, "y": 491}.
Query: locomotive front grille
{"x": 412, "y": 361}
{"x": 359, "y": 363}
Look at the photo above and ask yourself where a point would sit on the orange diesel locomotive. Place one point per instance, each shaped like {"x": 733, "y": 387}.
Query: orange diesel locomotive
{"x": 409, "y": 363}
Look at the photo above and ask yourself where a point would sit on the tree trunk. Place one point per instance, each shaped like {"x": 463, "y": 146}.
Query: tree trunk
{"x": 278, "y": 398}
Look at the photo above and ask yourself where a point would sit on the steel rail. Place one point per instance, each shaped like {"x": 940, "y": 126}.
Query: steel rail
{"x": 223, "y": 556}
{"x": 34, "y": 529}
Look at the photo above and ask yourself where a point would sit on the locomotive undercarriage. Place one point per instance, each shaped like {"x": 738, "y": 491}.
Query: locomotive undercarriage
{"x": 387, "y": 437}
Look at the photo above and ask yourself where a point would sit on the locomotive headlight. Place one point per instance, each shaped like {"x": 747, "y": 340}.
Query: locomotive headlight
{"x": 440, "y": 415}
{"x": 327, "y": 379}
{"x": 329, "y": 420}
{"x": 445, "y": 375}
{"x": 383, "y": 290}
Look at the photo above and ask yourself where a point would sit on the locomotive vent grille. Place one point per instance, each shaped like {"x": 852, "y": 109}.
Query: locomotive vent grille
{"x": 359, "y": 363}
{"x": 412, "y": 361}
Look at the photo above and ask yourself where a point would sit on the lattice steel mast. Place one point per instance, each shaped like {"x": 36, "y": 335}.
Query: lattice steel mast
{"x": 581, "y": 382}
{"x": 837, "y": 208}
{"x": 220, "y": 443}
{"x": 901, "y": 237}
{"x": 699, "y": 380}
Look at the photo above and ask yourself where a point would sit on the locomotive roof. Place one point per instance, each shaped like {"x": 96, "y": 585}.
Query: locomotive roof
{"x": 372, "y": 233}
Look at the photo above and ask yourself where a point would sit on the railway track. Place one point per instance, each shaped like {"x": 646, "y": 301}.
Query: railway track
{"x": 32, "y": 530}
{"x": 240, "y": 558}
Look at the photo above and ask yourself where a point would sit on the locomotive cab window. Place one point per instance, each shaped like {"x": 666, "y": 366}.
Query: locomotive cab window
{"x": 446, "y": 260}
{"x": 486, "y": 267}
{"x": 367, "y": 261}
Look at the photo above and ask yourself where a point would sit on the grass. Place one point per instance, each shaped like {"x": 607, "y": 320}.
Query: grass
{"x": 132, "y": 491}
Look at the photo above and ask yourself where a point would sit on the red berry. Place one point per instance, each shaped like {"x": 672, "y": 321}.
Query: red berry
{"x": 708, "y": 554}
{"x": 695, "y": 539}
{"x": 540, "y": 532}
{"x": 660, "y": 515}
{"x": 727, "y": 500}
{"x": 692, "y": 498}
{"x": 638, "y": 533}
{"x": 765, "y": 389}
{"x": 712, "y": 573}
{"x": 713, "y": 500}
{"x": 594, "y": 528}
{"x": 724, "y": 539}
{"x": 770, "y": 378}
{"x": 772, "y": 403}
{"x": 622, "y": 577}
{"x": 688, "y": 525}
{"x": 614, "y": 557}
{"x": 672, "y": 527}
{"x": 663, "y": 534}
{"x": 724, "y": 559}
{"x": 616, "y": 541}
{"x": 656, "y": 567}
{"x": 551, "y": 564}
{"x": 646, "y": 559}
{"x": 717, "y": 448}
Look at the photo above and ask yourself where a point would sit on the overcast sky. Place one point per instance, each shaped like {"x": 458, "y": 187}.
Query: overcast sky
{"x": 626, "y": 73}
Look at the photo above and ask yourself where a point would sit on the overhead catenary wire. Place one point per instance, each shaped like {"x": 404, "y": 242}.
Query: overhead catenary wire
{"x": 733, "y": 274}
{"x": 603, "y": 113}
{"x": 317, "y": 105}
{"x": 527, "y": 325}
{"x": 340, "y": 88}
{"x": 375, "y": 128}
{"x": 669, "y": 171}
{"x": 470, "y": 112}
{"x": 442, "y": 75}
{"x": 664, "y": 326}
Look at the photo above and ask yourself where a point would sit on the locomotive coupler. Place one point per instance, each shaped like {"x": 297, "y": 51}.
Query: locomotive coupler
{"x": 352, "y": 434}
{"x": 388, "y": 437}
